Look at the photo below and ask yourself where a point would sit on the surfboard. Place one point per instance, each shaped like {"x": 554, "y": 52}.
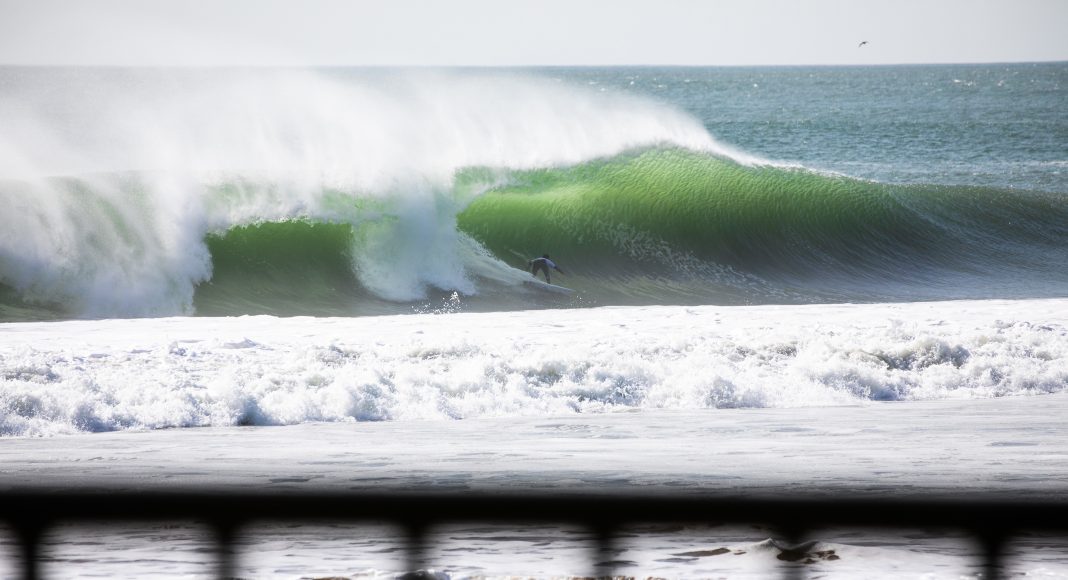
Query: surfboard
{"x": 546, "y": 287}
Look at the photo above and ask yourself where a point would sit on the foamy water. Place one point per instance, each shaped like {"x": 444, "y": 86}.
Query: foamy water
{"x": 1008, "y": 447}
{"x": 90, "y": 376}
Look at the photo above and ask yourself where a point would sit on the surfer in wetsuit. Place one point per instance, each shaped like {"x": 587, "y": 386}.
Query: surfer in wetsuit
{"x": 544, "y": 264}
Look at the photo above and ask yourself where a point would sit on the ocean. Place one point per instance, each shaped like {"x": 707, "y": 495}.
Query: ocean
{"x": 818, "y": 280}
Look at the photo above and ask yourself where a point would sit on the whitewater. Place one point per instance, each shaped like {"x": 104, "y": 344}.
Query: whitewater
{"x": 70, "y": 377}
{"x": 111, "y": 193}
{"x": 825, "y": 281}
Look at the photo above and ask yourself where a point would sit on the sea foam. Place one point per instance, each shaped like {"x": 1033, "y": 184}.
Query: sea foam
{"x": 77, "y": 376}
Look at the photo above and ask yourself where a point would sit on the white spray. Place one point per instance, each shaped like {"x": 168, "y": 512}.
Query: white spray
{"x": 110, "y": 179}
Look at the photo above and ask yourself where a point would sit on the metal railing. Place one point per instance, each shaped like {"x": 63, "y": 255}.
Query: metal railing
{"x": 991, "y": 522}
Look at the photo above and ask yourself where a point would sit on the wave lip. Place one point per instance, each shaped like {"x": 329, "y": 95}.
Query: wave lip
{"x": 656, "y": 225}
{"x": 676, "y": 225}
{"x": 294, "y": 193}
{"x": 113, "y": 219}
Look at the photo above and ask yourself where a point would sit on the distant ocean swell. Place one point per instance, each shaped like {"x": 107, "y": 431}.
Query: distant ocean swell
{"x": 291, "y": 194}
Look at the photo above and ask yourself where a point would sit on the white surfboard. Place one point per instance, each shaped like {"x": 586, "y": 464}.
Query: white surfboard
{"x": 546, "y": 287}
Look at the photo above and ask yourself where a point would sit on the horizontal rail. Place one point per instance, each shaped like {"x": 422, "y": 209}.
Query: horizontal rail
{"x": 991, "y": 522}
{"x": 614, "y": 509}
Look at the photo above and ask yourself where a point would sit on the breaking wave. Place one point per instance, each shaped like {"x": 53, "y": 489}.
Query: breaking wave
{"x": 154, "y": 193}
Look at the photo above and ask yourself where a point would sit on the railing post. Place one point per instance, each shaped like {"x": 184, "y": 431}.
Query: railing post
{"x": 991, "y": 543}
{"x": 604, "y": 556}
{"x": 29, "y": 538}
{"x": 416, "y": 533}
{"x": 793, "y": 537}
{"x": 225, "y": 532}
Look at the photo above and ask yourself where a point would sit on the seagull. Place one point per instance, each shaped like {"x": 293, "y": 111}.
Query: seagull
{"x": 862, "y": 43}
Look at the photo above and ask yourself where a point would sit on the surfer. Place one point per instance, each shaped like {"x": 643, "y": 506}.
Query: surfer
{"x": 544, "y": 264}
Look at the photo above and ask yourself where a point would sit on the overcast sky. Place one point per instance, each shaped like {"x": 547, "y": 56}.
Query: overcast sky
{"x": 529, "y": 32}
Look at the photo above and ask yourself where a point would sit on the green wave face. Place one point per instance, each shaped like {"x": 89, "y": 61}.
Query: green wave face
{"x": 670, "y": 219}
{"x": 654, "y": 226}
{"x": 286, "y": 268}
{"x": 346, "y": 192}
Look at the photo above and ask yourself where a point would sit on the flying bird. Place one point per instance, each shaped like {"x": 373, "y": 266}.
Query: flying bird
{"x": 862, "y": 43}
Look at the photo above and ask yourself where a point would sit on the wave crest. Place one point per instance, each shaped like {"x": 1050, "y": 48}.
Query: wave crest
{"x": 157, "y": 160}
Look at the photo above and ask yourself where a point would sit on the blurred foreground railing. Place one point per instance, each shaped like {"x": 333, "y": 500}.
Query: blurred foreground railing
{"x": 991, "y": 523}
